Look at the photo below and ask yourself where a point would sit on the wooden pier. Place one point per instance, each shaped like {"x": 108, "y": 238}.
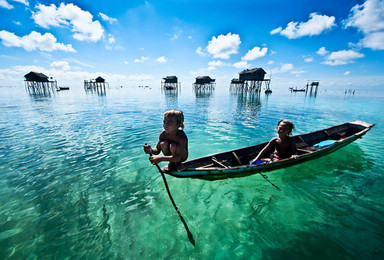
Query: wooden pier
{"x": 98, "y": 83}
{"x": 39, "y": 83}
{"x": 250, "y": 80}
{"x": 204, "y": 83}
{"x": 311, "y": 87}
{"x": 170, "y": 82}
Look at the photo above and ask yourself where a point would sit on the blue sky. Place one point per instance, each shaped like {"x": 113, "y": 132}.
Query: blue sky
{"x": 135, "y": 42}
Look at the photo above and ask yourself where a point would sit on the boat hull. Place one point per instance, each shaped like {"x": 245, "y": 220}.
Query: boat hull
{"x": 223, "y": 165}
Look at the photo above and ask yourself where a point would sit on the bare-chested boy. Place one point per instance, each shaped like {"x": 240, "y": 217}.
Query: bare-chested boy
{"x": 173, "y": 142}
{"x": 283, "y": 146}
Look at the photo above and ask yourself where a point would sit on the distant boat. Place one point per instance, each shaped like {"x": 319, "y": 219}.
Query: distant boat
{"x": 297, "y": 90}
{"x": 235, "y": 163}
{"x": 63, "y": 88}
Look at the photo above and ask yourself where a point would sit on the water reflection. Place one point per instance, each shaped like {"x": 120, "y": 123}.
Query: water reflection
{"x": 249, "y": 103}
{"x": 100, "y": 91}
{"x": 311, "y": 92}
{"x": 203, "y": 93}
{"x": 171, "y": 96}
{"x": 40, "y": 93}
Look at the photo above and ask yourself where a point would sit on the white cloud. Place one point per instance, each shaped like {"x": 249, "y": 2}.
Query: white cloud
{"x": 200, "y": 51}
{"x": 111, "y": 43}
{"x": 176, "y": 35}
{"x": 342, "y": 57}
{"x": 126, "y": 62}
{"x": 223, "y": 46}
{"x": 217, "y": 63}
{"x": 322, "y": 51}
{"x": 25, "y": 2}
{"x": 255, "y": 53}
{"x": 60, "y": 65}
{"x": 270, "y": 62}
{"x": 316, "y": 25}
{"x": 33, "y": 41}
{"x": 277, "y": 30}
{"x": 309, "y": 59}
{"x": 69, "y": 15}
{"x": 241, "y": 65}
{"x": 106, "y": 18}
{"x": 111, "y": 39}
{"x": 73, "y": 78}
{"x": 347, "y": 73}
{"x": 374, "y": 41}
{"x": 285, "y": 67}
{"x": 5, "y": 4}
{"x": 161, "y": 59}
{"x": 298, "y": 72}
{"x": 81, "y": 63}
{"x": 142, "y": 59}
{"x": 369, "y": 19}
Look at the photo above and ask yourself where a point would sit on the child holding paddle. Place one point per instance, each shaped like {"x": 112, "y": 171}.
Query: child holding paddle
{"x": 173, "y": 142}
{"x": 283, "y": 146}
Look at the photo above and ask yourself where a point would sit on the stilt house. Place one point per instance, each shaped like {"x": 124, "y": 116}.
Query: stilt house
{"x": 36, "y": 81}
{"x": 170, "y": 82}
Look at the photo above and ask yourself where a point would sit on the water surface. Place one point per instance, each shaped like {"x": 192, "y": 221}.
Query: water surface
{"x": 75, "y": 183}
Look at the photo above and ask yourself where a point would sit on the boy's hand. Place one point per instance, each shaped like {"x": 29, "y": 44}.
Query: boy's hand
{"x": 147, "y": 148}
{"x": 155, "y": 159}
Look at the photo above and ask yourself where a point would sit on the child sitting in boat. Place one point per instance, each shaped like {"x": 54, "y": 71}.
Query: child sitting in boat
{"x": 173, "y": 142}
{"x": 283, "y": 146}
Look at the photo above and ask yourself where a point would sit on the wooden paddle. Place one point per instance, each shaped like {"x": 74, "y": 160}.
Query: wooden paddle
{"x": 190, "y": 236}
{"x": 266, "y": 177}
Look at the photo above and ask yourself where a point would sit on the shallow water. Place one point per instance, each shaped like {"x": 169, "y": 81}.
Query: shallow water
{"x": 75, "y": 183}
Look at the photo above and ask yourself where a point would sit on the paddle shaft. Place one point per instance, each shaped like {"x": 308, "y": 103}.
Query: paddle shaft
{"x": 266, "y": 177}
{"x": 190, "y": 236}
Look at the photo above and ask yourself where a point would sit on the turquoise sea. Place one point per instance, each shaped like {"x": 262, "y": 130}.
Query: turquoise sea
{"x": 75, "y": 183}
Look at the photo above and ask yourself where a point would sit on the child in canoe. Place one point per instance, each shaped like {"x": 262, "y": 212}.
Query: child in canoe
{"x": 173, "y": 142}
{"x": 283, "y": 146}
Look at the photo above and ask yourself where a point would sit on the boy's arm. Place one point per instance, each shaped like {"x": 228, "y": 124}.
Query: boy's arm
{"x": 149, "y": 150}
{"x": 177, "y": 156}
{"x": 264, "y": 150}
{"x": 155, "y": 151}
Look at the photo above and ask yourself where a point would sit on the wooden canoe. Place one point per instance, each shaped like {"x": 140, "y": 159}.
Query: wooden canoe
{"x": 235, "y": 163}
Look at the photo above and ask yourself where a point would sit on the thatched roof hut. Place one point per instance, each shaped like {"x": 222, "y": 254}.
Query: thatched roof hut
{"x": 237, "y": 81}
{"x": 100, "y": 79}
{"x": 36, "y": 76}
{"x": 252, "y": 74}
{"x": 204, "y": 80}
{"x": 170, "y": 79}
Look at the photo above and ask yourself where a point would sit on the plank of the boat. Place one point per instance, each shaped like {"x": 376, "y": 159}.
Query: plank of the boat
{"x": 215, "y": 161}
{"x": 206, "y": 166}
{"x": 304, "y": 151}
{"x": 237, "y": 158}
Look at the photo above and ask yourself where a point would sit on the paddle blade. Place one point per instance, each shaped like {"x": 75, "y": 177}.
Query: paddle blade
{"x": 190, "y": 236}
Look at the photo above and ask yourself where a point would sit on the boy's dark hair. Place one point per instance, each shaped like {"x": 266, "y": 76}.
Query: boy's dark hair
{"x": 288, "y": 123}
{"x": 178, "y": 115}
